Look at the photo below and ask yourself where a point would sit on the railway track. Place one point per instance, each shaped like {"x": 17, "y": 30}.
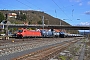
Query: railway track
{"x": 9, "y": 50}
{"x": 8, "y": 47}
{"x": 46, "y": 53}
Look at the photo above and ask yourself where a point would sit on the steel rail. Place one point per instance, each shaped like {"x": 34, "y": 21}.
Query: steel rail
{"x": 45, "y": 53}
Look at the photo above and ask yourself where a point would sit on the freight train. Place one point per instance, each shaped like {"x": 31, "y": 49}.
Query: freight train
{"x": 43, "y": 33}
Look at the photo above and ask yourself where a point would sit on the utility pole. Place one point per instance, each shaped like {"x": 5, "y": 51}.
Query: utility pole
{"x": 43, "y": 21}
{"x": 6, "y": 37}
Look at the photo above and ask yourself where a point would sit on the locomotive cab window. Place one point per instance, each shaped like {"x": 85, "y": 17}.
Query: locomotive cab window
{"x": 20, "y": 31}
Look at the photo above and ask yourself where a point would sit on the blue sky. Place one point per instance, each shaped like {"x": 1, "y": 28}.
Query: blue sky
{"x": 70, "y": 10}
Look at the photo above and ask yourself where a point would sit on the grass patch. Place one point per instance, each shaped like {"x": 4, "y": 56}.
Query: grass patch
{"x": 62, "y": 57}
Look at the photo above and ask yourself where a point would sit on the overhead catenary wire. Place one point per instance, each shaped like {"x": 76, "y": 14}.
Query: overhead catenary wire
{"x": 38, "y": 7}
{"x": 23, "y": 3}
{"x": 70, "y": 5}
{"x": 33, "y": 4}
{"x": 60, "y": 8}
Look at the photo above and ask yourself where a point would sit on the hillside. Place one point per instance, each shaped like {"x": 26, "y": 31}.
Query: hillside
{"x": 33, "y": 17}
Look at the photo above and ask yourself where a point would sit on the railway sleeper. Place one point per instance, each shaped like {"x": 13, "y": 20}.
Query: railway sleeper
{"x": 45, "y": 53}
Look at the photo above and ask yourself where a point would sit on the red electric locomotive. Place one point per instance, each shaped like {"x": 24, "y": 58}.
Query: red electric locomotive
{"x": 28, "y": 33}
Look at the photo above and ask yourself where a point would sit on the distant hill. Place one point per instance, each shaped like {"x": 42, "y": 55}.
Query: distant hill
{"x": 33, "y": 17}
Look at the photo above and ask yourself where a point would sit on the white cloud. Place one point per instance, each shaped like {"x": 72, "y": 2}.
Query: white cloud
{"x": 84, "y": 24}
{"x": 88, "y": 2}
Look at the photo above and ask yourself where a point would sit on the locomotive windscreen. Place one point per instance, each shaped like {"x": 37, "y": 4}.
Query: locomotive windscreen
{"x": 20, "y": 31}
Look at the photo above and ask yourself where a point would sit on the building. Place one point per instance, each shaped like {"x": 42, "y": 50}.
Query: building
{"x": 12, "y": 15}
